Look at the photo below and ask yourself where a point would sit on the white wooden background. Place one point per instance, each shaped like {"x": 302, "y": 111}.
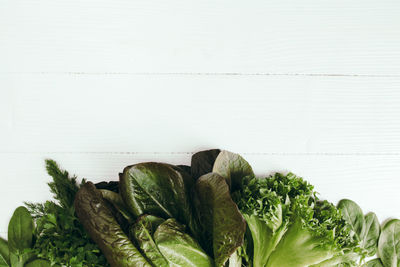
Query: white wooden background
{"x": 307, "y": 86}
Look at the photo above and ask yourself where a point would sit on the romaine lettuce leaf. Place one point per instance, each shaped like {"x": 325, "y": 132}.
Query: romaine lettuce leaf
{"x": 157, "y": 189}
{"x": 203, "y": 162}
{"x": 97, "y": 218}
{"x": 222, "y": 224}
{"x": 178, "y": 247}
{"x": 233, "y": 168}
{"x": 142, "y": 232}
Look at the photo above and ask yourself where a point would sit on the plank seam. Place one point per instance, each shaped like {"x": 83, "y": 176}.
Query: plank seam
{"x": 210, "y": 74}
{"x": 191, "y": 153}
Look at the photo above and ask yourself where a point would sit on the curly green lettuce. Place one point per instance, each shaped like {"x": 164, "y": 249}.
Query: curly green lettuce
{"x": 289, "y": 225}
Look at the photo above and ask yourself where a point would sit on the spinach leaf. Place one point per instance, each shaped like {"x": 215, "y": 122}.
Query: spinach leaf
{"x": 97, "y": 218}
{"x": 38, "y": 263}
{"x": 233, "y": 168}
{"x": 142, "y": 232}
{"x": 179, "y": 248}
{"x": 203, "y": 162}
{"x": 18, "y": 250}
{"x": 370, "y": 235}
{"x": 389, "y": 244}
{"x": 354, "y": 216}
{"x": 20, "y": 231}
{"x": 158, "y": 189}
{"x": 4, "y": 253}
{"x": 365, "y": 229}
{"x": 373, "y": 263}
{"x": 222, "y": 224}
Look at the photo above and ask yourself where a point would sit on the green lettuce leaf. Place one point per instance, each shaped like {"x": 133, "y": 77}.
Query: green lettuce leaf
{"x": 344, "y": 260}
{"x": 233, "y": 168}
{"x": 97, "y": 218}
{"x": 142, "y": 232}
{"x": 116, "y": 200}
{"x": 289, "y": 226}
{"x": 203, "y": 162}
{"x": 222, "y": 224}
{"x": 373, "y": 263}
{"x": 179, "y": 248}
{"x": 158, "y": 189}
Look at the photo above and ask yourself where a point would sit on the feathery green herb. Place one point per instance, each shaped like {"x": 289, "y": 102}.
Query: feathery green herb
{"x": 61, "y": 238}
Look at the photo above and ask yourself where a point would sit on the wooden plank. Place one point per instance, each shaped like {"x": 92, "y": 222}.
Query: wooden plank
{"x": 142, "y": 113}
{"x": 371, "y": 181}
{"x": 337, "y": 37}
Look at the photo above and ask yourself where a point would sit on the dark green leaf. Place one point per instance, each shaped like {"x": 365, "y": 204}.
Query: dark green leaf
{"x": 97, "y": 218}
{"x": 354, "y": 216}
{"x": 187, "y": 178}
{"x": 370, "y": 235}
{"x": 223, "y": 226}
{"x": 179, "y": 248}
{"x": 142, "y": 232}
{"x": 203, "y": 162}
{"x": 38, "y": 263}
{"x": 233, "y": 168}
{"x": 158, "y": 189}
{"x": 389, "y": 244}
{"x": 185, "y": 169}
{"x": 4, "y": 253}
{"x": 20, "y": 231}
{"x": 373, "y": 263}
{"x": 112, "y": 186}
{"x": 116, "y": 200}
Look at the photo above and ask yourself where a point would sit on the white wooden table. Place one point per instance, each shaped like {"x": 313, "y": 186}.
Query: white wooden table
{"x": 307, "y": 86}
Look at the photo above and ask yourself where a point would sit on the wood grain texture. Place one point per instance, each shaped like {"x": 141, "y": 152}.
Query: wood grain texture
{"x": 311, "y": 87}
{"x": 282, "y": 36}
{"x": 371, "y": 181}
{"x": 257, "y": 114}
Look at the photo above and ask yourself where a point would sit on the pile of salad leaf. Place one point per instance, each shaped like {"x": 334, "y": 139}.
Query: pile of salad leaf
{"x": 215, "y": 212}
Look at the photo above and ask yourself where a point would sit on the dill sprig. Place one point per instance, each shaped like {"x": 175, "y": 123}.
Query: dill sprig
{"x": 60, "y": 237}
